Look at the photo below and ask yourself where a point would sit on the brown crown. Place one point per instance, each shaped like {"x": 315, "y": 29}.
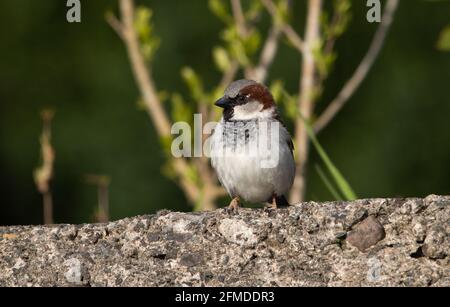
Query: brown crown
{"x": 260, "y": 93}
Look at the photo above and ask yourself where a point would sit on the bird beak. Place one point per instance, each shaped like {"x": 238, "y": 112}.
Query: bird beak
{"x": 222, "y": 102}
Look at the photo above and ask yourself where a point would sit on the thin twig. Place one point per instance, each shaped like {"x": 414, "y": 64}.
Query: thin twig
{"x": 306, "y": 98}
{"x": 239, "y": 17}
{"x": 48, "y": 207}
{"x": 267, "y": 55}
{"x": 293, "y": 37}
{"x": 115, "y": 24}
{"x": 142, "y": 74}
{"x": 287, "y": 30}
{"x": 329, "y": 44}
{"x": 361, "y": 72}
{"x": 43, "y": 175}
{"x": 258, "y": 73}
{"x": 102, "y": 183}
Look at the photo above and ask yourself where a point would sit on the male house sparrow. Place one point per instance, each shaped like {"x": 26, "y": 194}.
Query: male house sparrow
{"x": 244, "y": 167}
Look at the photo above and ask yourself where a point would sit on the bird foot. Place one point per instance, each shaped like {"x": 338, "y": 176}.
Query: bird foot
{"x": 271, "y": 206}
{"x": 234, "y": 204}
{"x": 277, "y": 202}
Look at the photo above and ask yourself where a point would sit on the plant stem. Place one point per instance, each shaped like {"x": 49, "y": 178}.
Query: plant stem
{"x": 306, "y": 97}
{"x": 103, "y": 203}
{"x": 363, "y": 69}
{"x": 48, "y": 207}
{"x": 147, "y": 88}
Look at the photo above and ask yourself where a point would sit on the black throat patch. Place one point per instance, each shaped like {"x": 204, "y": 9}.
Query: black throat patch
{"x": 228, "y": 114}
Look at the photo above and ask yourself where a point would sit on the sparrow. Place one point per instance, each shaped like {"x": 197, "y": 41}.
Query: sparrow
{"x": 251, "y": 150}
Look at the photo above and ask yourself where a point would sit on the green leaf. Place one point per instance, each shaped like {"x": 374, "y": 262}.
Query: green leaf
{"x": 149, "y": 43}
{"x": 324, "y": 61}
{"x": 192, "y": 174}
{"x": 198, "y": 205}
{"x": 163, "y": 96}
{"x": 338, "y": 178}
{"x": 219, "y": 9}
{"x": 277, "y": 88}
{"x": 221, "y": 58}
{"x": 444, "y": 39}
{"x": 236, "y": 48}
{"x": 291, "y": 107}
{"x": 282, "y": 14}
{"x": 254, "y": 10}
{"x": 142, "y": 21}
{"x": 290, "y": 104}
{"x": 252, "y": 43}
{"x": 166, "y": 144}
{"x": 150, "y": 47}
{"x": 340, "y": 21}
{"x": 181, "y": 111}
{"x": 194, "y": 84}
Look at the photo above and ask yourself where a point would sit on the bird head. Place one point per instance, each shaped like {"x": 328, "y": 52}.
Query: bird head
{"x": 246, "y": 100}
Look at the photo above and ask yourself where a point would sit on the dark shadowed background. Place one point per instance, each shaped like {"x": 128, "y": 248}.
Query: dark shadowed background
{"x": 392, "y": 139}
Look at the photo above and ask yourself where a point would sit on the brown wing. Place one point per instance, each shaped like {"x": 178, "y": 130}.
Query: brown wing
{"x": 289, "y": 141}
{"x": 291, "y": 146}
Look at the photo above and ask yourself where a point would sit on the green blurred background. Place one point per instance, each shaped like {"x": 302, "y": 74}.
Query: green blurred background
{"x": 392, "y": 139}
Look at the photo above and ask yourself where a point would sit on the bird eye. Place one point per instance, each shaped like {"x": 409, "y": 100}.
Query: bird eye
{"x": 241, "y": 97}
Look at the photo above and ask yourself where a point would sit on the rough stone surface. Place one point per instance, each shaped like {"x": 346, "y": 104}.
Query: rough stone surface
{"x": 303, "y": 245}
{"x": 366, "y": 234}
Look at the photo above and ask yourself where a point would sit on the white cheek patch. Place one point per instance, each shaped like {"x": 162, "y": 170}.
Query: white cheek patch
{"x": 247, "y": 111}
{"x": 252, "y": 110}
